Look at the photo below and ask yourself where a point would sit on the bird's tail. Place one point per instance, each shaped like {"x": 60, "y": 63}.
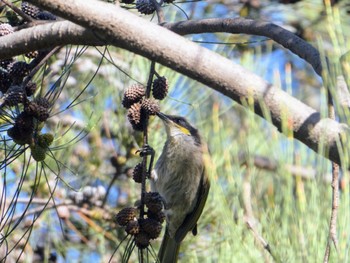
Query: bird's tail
{"x": 169, "y": 250}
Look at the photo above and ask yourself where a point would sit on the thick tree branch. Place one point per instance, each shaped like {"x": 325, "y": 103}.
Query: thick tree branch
{"x": 45, "y": 36}
{"x": 123, "y": 29}
{"x": 228, "y": 25}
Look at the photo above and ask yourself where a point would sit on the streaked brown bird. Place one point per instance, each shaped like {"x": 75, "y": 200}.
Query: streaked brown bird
{"x": 179, "y": 177}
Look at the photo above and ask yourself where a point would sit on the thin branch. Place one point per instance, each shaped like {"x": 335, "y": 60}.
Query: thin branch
{"x": 269, "y": 164}
{"x": 335, "y": 194}
{"x": 18, "y": 11}
{"x": 145, "y": 143}
{"x": 249, "y": 218}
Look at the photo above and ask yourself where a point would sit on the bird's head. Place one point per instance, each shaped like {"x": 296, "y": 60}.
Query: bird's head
{"x": 179, "y": 126}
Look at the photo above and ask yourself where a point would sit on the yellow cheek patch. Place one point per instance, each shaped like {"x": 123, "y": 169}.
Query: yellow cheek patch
{"x": 184, "y": 130}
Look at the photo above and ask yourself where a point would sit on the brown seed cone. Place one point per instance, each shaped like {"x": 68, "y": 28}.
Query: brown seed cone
{"x": 160, "y": 88}
{"x": 4, "y": 63}
{"x": 159, "y": 216}
{"x": 32, "y": 54}
{"x": 5, "y": 29}
{"x": 18, "y": 136}
{"x": 38, "y": 108}
{"x": 31, "y": 108}
{"x": 137, "y": 173}
{"x": 18, "y": 71}
{"x": 5, "y": 81}
{"x": 43, "y": 102}
{"x": 153, "y": 202}
{"x": 22, "y": 131}
{"x": 14, "y": 96}
{"x": 146, "y": 7}
{"x": 142, "y": 240}
{"x": 30, "y": 9}
{"x": 132, "y": 228}
{"x": 134, "y": 113}
{"x": 133, "y": 94}
{"x": 24, "y": 122}
{"x": 151, "y": 227}
{"x": 39, "y": 112}
{"x": 126, "y": 215}
{"x": 42, "y": 113}
{"x": 136, "y": 117}
{"x": 150, "y": 106}
{"x": 30, "y": 88}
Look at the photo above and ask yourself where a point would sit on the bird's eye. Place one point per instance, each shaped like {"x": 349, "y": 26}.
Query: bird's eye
{"x": 178, "y": 121}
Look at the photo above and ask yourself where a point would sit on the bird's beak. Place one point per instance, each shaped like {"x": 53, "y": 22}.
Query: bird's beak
{"x": 163, "y": 117}
{"x": 171, "y": 125}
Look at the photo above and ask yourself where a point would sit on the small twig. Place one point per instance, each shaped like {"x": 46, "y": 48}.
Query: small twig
{"x": 269, "y": 164}
{"x": 37, "y": 63}
{"x": 249, "y": 216}
{"x": 18, "y": 11}
{"x": 159, "y": 11}
{"x": 73, "y": 227}
{"x": 145, "y": 142}
{"x": 111, "y": 183}
{"x": 258, "y": 237}
{"x": 40, "y": 209}
{"x": 332, "y": 236}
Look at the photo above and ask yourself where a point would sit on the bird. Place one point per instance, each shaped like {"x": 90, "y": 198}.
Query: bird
{"x": 180, "y": 178}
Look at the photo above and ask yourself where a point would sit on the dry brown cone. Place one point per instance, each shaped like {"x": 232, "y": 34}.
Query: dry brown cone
{"x": 5, "y": 29}
{"x": 41, "y": 109}
{"x": 22, "y": 131}
{"x": 31, "y": 108}
{"x": 14, "y": 96}
{"x": 137, "y": 173}
{"x": 126, "y": 215}
{"x": 42, "y": 113}
{"x": 43, "y": 102}
{"x": 133, "y": 94}
{"x": 136, "y": 117}
{"x": 133, "y": 227}
{"x": 151, "y": 227}
{"x": 32, "y": 54}
{"x": 5, "y": 81}
{"x": 5, "y": 63}
{"x": 146, "y": 7}
{"x": 160, "y": 88}
{"x": 153, "y": 202}
{"x": 142, "y": 240}
{"x": 159, "y": 216}
{"x": 30, "y": 9}
{"x": 30, "y": 88}
{"x": 18, "y": 71}
{"x": 150, "y": 106}
{"x": 24, "y": 121}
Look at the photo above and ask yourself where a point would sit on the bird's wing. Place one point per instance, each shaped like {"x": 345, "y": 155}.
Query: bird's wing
{"x": 192, "y": 218}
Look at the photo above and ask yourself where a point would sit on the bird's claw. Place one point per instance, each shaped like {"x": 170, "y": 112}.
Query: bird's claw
{"x": 146, "y": 150}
